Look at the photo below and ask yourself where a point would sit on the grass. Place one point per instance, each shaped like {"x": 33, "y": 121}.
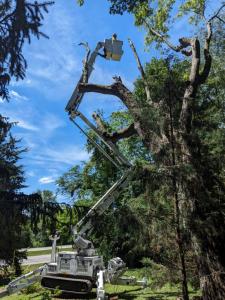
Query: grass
{"x": 122, "y": 292}
{"x": 43, "y": 252}
{"x": 168, "y": 292}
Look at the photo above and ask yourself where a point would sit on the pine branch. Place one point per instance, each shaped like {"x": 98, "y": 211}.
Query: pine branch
{"x": 19, "y": 22}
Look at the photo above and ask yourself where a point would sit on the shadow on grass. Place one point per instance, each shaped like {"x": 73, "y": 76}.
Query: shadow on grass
{"x": 4, "y": 281}
{"x": 128, "y": 295}
{"x": 69, "y": 296}
{"x": 91, "y": 295}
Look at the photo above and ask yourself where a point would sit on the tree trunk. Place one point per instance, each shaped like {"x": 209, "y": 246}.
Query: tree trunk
{"x": 205, "y": 195}
{"x": 211, "y": 271}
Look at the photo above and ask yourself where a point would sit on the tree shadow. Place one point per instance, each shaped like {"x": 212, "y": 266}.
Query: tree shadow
{"x": 129, "y": 295}
{"x": 91, "y": 295}
{"x": 4, "y": 281}
{"x": 126, "y": 295}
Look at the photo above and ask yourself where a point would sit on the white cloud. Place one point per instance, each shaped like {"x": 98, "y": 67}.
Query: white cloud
{"x": 51, "y": 122}
{"x": 16, "y": 96}
{"x": 67, "y": 155}
{"x": 24, "y": 82}
{"x": 46, "y": 180}
{"x": 56, "y": 62}
{"x": 26, "y": 125}
{"x": 31, "y": 173}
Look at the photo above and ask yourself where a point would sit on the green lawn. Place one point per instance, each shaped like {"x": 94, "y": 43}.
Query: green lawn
{"x": 122, "y": 292}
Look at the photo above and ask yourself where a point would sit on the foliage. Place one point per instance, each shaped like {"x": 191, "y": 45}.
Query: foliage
{"x": 19, "y": 21}
{"x": 56, "y": 217}
{"x": 48, "y": 295}
{"x": 19, "y": 211}
{"x": 159, "y": 274}
{"x": 161, "y": 15}
{"x": 11, "y": 181}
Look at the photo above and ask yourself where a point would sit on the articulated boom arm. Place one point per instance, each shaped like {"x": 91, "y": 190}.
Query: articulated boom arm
{"x": 118, "y": 159}
{"x": 76, "y": 97}
{"x": 85, "y": 224}
{"x": 23, "y": 281}
{"x": 112, "y": 49}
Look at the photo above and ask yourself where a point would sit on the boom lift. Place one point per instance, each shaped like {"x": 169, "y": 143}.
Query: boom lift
{"x": 80, "y": 270}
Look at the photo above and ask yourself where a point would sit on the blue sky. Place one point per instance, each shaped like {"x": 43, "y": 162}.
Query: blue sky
{"x": 54, "y": 67}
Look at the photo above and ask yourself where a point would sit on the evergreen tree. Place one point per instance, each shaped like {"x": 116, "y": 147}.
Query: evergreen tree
{"x": 12, "y": 216}
{"x": 16, "y": 208}
{"x": 19, "y": 21}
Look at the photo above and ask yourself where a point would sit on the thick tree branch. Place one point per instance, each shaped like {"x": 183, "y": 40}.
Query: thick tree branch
{"x": 117, "y": 135}
{"x": 195, "y": 63}
{"x": 184, "y": 42}
{"x": 141, "y": 69}
{"x": 117, "y": 89}
{"x": 96, "y": 88}
{"x": 85, "y": 62}
{"x": 150, "y": 138}
{"x": 100, "y": 124}
{"x": 191, "y": 90}
{"x": 123, "y": 133}
{"x": 208, "y": 59}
